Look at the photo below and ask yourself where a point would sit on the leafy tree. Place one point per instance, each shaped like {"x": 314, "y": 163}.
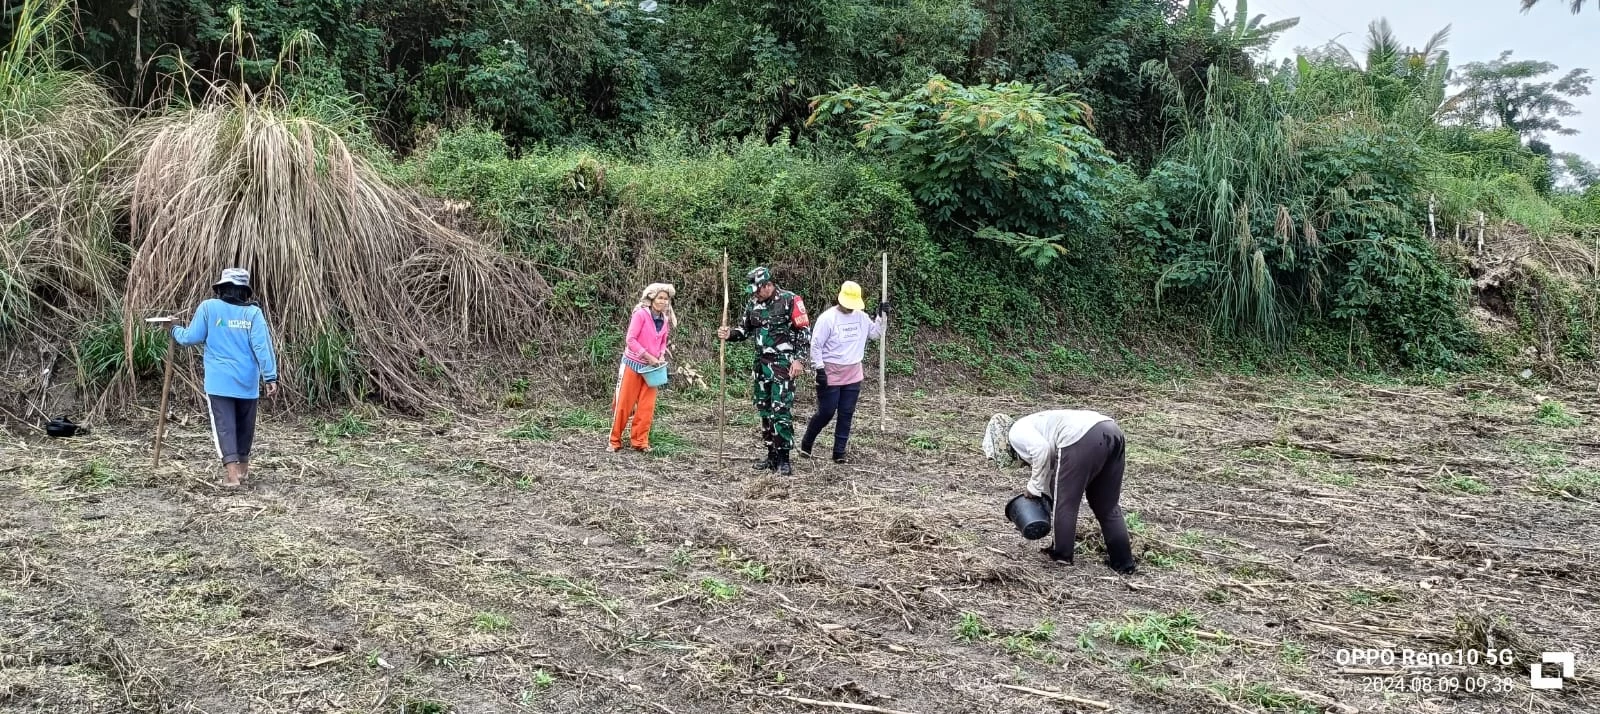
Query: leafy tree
{"x": 1007, "y": 162}
{"x": 1579, "y": 171}
{"x": 1504, "y": 93}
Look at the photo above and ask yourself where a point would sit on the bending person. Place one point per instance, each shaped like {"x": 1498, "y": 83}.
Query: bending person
{"x": 1073, "y": 454}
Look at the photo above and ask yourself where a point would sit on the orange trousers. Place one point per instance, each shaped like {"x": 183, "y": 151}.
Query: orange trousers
{"x": 636, "y": 399}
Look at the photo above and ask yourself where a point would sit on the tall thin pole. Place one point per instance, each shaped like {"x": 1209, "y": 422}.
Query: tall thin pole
{"x": 883, "y": 351}
{"x": 722, "y": 371}
{"x": 166, "y": 384}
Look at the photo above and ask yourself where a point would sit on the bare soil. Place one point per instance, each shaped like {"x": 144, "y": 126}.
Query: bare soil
{"x": 510, "y": 564}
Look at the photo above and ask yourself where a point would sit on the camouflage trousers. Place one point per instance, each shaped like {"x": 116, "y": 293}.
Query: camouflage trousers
{"x": 774, "y": 400}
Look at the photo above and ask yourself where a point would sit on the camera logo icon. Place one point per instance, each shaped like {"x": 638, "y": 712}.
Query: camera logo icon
{"x": 1536, "y": 674}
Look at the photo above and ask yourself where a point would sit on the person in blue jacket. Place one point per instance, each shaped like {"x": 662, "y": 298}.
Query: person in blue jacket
{"x": 238, "y": 359}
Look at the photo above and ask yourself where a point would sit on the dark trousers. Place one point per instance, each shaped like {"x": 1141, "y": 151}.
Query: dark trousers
{"x": 1092, "y": 468}
{"x": 830, "y": 400}
{"x": 233, "y": 427}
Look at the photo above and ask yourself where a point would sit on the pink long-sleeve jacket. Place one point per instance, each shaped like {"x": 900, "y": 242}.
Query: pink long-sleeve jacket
{"x": 643, "y": 339}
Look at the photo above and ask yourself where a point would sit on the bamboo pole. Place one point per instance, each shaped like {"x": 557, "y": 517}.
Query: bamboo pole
{"x": 722, "y": 373}
{"x": 883, "y": 351}
{"x": 166, "y": 385}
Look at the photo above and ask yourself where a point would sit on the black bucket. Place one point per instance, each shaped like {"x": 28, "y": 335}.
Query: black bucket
{"x": 61, "y": 427}
{"x": 1030, "y": 515}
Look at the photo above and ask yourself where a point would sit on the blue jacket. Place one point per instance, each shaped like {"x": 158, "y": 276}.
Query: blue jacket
{"x": 238, "y": 353}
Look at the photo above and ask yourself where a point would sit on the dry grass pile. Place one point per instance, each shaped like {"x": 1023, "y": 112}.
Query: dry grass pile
{"x": 59, "y": 131}
{"x": 361, "y": 287}
{"x": 1547, "y": 288}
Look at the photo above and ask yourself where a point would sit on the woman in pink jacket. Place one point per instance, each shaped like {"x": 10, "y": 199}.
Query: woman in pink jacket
{"x": 646, "y": 346}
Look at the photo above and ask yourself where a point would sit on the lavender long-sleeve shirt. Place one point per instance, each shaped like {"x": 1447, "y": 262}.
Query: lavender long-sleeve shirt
{"x": 839, "y": 339}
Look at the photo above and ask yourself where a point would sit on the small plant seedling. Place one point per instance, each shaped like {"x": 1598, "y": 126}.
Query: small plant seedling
{"x": 754, "y": 571}
{"x": 923, "y": 441}
{"x": 491, "y": 622}
{"x": 96, "y": 474}
{"x": 348, "y": 426}
{"x": 682, "y": 557}
{"x": 971, "y": 628}
{"x": 530, "y": 431}
{"x": 1467, "y": 484}
{"x": 583, "y": 419}
{"x": 1553, "y": 413}
{"x": 1156, "y": 633}
{"x": 1136, "y": 525}
{"x": 719, "y": 590}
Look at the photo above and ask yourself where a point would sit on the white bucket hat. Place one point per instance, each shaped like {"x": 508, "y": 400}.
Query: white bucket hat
{"x": 234, "y": 276}
{"x": 997, "y": 440}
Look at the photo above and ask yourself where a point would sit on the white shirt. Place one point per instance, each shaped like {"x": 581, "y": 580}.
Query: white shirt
{"x": 841, "y": 339}
{"x": 1037, "y": 438}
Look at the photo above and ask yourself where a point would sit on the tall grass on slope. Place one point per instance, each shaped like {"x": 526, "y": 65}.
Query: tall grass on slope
{"x": 332, "y": 248}
{"x": 59, "y": 131}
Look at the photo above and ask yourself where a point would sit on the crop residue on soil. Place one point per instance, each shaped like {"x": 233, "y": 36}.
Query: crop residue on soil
{"x": 514, "y": 565}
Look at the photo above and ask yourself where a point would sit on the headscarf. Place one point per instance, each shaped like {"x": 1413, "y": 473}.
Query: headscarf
{"x": 650, "y": 294}
{"x": 997, "y": 440}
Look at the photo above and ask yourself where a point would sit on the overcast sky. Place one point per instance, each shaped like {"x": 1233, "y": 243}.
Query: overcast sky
{"x": 1479, "y": 31}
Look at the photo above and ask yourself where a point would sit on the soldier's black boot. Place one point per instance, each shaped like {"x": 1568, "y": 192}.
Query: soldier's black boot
{"x": 770, "y": 463}
{"x": 783, "y": 463}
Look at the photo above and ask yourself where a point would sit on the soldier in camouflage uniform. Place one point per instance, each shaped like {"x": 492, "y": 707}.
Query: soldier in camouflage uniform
{"x": 782, "y": 330}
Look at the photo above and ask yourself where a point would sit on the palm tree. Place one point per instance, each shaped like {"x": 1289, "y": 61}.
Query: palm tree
{"x": 1402, "y": 77}
{"x": 1577, "y": 5}
{"x": 1239, "y": 29}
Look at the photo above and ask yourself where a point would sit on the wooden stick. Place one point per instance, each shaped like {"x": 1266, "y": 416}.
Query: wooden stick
{"x": 1059, "y": 697}
{"x": 722, "y": 372}
{"x": 838, "y": 705}
{"x": 166, "y": 384}
{"x": 883, "y": 350}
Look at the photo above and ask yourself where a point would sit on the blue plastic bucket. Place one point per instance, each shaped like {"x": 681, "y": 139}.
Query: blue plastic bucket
{"x": 655, "y": 376}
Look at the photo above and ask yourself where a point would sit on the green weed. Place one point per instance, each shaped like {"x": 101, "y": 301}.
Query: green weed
{"x": 348, "y": 426}
{"x": 1156, "y": 633}
{"x": 1467, "y": 484}
{"x": 1369, "y": 598}
{"x": 971, "y": 628}
{"x": 530, "y": 431}
{"x": 664, "y": 442}
{"x": 1136, "y": 525}
{"x": 96, "y": 475}
{"x": 1552, "y": 413}
{"x": 1266, "y": 697}
{"x": 490, "y": 622}
{"x": 1576, "y": 483}
{"x": 584, "y": 419}
{"x": 718, "y": 590}
{"x": 923, "y": 441}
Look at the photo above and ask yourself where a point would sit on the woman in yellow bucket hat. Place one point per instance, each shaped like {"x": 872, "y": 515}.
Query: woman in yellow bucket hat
{"x": 838, "y": 343}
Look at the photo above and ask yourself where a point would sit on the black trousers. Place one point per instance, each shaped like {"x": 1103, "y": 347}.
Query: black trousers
{"x": 831, "y": 399}
{"x": 233, "y": 427}
{"x": 1091, "y": 468}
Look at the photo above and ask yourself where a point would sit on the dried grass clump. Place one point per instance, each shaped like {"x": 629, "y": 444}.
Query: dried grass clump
{"x": 335, "y": 252}
{"x": 59, "y": 132}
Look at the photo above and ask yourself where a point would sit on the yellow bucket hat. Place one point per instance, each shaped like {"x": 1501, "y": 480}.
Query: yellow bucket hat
{"x": 850, "y": 296}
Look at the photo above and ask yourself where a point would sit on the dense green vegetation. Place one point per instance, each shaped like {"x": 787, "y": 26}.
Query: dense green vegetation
{"x": 1047, "y": 176}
